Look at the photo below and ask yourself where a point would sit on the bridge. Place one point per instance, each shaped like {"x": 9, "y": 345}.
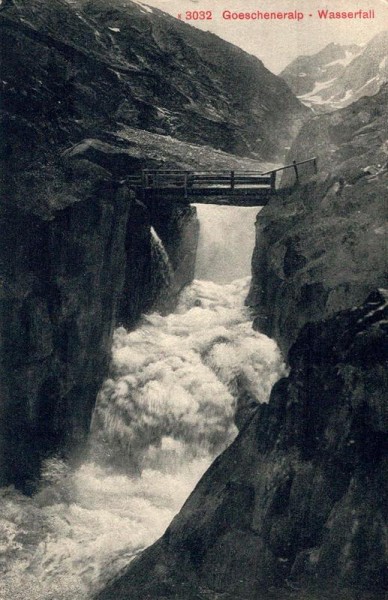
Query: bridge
{"x": 238, "y": 188}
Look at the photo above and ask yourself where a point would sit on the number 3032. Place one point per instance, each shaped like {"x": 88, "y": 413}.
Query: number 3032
{"x": 198, "y": 15}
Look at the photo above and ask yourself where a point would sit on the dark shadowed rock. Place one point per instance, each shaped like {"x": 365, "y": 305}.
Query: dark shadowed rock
{"x": 61, "y": 279}
{"x": 116, "y": 160}
{"x": 321, "y": 246}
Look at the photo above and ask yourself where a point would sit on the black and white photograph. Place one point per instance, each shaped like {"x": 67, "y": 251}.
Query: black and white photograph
{"x": 193, "y": 300}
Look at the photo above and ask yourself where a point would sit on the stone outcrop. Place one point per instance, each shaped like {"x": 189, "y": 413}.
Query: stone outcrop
{"x": 321, "y": 246}
{"x": 72, "y": 232}
{"x": 61, "y": 278}
{"x": 76, "y": 262}
{"x": 295, "y": 507}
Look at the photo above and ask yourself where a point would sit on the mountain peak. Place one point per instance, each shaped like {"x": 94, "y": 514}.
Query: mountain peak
{"x": 339, "y": 74}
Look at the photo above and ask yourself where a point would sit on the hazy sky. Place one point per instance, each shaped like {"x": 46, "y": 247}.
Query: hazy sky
{"x": 278, "y": 42}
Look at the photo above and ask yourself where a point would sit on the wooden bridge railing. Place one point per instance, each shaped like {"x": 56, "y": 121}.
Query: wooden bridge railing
{"x": 200, "y": 180}
{"x": 294, "y": 165}
{"x": 196, "y": 183}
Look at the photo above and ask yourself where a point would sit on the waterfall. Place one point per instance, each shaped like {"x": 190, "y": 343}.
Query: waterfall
{"x": 162, "y": 274}
{"x": 160, "y": 257}
{"x": 166, "y": 410}
{"x": 226, "y": 241}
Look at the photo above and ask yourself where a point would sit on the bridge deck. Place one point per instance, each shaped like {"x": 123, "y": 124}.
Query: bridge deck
{"x": 241, "y": 188}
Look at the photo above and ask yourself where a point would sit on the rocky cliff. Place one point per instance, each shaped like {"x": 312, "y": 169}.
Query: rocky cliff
{"x": 67, "y": 278}
{"x": 194, "y": 86}
{"x": 321, "y": 246}
{"x": 103, "y": 63}
{"x": 294, "y": 508}
{"x": 61, "y": 278}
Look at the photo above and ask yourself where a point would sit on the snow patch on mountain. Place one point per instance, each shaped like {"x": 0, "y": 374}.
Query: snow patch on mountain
{"x": 339, "y": 75}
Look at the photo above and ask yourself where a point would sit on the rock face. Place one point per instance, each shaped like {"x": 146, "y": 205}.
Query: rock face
{"x": 194, "y": 86}
{"x": 72, "y": 233}
{"x": 103, "y": 63}
{"x": 68, "y": 276}
{"x": 67, "y": 76}
{"x": 339, "y": 75}
{"x": 61, "y": 278}
{"x": 321, "y": 246}
{"x": 161, "y": 246}
{"x": 294, "y": 508}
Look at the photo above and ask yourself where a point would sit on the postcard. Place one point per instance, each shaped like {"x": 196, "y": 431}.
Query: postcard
{"x": 193, "y": 294}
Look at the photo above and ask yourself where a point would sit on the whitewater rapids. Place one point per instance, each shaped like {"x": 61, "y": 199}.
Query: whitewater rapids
{"x": 160, "y": 419}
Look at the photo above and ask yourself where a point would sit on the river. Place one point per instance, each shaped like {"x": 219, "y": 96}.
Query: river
{"x": 160, "y": 419}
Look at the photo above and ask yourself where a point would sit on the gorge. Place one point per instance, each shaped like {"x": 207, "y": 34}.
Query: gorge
{"x": 131, "y": 374}
{"x": 296, "y": 506}
{"x": 164, "y": 413}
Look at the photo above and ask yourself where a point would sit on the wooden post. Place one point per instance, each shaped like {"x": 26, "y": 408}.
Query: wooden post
{"x": 232, "y": 180}
{"x": 273, "y": 181}
{"x": 296, "y": 170}
{"x": 185, "y": 184}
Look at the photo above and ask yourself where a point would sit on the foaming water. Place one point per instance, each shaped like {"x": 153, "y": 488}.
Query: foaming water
{"x": 160, "y": 419}
{"x": 68, "y": 539}
{"x": 168, "y": 410}
{"x": 173, "y": 386}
